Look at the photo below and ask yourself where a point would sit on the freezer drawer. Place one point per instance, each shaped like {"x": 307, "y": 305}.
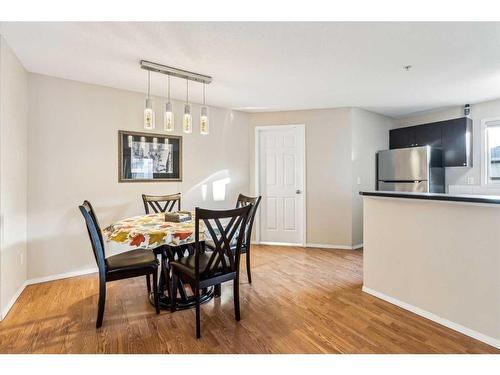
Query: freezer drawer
{"x": 416, "y": 186}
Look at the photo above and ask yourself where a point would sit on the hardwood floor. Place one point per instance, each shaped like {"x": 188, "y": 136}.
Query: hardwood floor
{"x": 300, "y": 301}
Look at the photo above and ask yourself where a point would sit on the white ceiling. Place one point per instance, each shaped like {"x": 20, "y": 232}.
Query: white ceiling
{"x": 278, "y": 66}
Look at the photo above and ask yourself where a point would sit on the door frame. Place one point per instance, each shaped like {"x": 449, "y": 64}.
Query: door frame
{"x": 302, "y": 132}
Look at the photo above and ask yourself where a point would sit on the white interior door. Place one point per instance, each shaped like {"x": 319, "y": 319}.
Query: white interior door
{"x": 281, "y": 184}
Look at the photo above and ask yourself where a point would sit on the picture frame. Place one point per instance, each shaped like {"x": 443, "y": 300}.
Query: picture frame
{"x": 149, "y": 157}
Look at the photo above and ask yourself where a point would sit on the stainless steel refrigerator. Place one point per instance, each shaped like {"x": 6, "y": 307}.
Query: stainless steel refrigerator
{"x": 415, "y": 169}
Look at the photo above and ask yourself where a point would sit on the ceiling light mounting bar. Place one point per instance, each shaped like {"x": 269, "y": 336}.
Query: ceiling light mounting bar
{"x": 170, "y": 71}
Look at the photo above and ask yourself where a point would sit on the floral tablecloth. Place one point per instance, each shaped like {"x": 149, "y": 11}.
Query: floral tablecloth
{"x": 150, "y": 231}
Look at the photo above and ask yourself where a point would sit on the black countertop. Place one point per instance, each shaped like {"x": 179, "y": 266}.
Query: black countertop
{"x": 491, "y": 199}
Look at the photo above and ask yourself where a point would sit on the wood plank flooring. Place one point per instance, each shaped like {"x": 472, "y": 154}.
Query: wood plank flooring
{"x": 300, "y": 301}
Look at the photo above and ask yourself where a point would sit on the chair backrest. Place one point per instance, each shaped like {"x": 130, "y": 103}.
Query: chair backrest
{"x": 223, "y": 259}
{"x": 243, "y": 201}
{"x": 95, "y": 235}
{"x": 161, "y": 203}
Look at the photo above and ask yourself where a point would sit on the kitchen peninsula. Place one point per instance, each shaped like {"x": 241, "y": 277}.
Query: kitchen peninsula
{"x": 437, "y": 255}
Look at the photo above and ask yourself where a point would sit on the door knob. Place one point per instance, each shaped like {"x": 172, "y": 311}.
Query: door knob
{"x": 298, "y": 191}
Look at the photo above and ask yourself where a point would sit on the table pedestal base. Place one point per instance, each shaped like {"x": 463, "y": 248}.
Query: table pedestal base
{"x": 181, "y": 304}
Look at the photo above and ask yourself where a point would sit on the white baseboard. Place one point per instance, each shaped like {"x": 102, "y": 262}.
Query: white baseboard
{"x": 39, "y": 280}
{"x": 317, "y": 245}
{"x": 338, "y": 247}
{"x": 13, "y": 300}
{"x": 278, "y": 243}
{"x": 426, "y": 314}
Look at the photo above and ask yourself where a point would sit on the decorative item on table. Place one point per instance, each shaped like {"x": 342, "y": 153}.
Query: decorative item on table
{"x": 178, "y": 217}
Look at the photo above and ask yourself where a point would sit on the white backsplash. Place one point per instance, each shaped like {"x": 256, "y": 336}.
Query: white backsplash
{"x": 473, "y": 189}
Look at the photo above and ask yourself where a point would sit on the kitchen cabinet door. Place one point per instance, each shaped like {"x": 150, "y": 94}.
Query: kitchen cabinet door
{"x": 457, "y": 142}
{"x": 428, "y": 135}
{"x": 402, "y": 137}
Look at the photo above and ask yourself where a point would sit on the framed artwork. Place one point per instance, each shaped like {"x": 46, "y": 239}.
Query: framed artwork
{"x": 147, "y": 157}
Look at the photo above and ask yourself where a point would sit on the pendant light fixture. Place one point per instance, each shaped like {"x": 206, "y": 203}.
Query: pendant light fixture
{"x": 168, "y": 120}
{"x": 204, "y": 125}
{"x": 149, "y": 115}
{"x": 187, "y": 121}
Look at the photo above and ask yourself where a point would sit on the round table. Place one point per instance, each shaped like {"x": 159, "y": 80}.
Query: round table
{"x": 168, "y": 239}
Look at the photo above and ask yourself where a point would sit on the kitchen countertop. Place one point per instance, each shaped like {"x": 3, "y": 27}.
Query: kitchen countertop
{"x": 492, "y": 199}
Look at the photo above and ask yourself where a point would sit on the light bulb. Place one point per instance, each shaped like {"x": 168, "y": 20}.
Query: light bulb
{"x": 187, "y": 123}
{"x": 204, "y": 125}
{"x": 149, "y": 115}
{"x": 168, "y": 120}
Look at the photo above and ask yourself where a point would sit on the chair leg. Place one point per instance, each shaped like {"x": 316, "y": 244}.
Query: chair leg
{"x": 217, "y": 290}
{"x": 173, "y": 291}
{"x": 165, "y": 273}
{"x": 102, "y": 302}
{"x": 155, "y": 291}
{"x": 249, "y": 274}
{"x": 236, "y": 297}
{"x": 148, "y": 283}
{"x": 197, "y": 296}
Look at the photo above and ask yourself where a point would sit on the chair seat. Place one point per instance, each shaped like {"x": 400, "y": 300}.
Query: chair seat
{"x": 186, "y": 264}
{"x": 211, "y": 245}
{"x": 131, "y": 260}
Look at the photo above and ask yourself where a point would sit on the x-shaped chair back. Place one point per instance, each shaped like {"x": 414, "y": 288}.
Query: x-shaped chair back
{"x": 243, "y": 201}
{"x": 223, "y": 259}
{"x": 161, "y": 203}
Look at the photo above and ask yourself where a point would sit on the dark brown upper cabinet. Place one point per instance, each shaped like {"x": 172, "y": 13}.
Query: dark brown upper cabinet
{"x": 453, "y": 136}
{"x": 428, "y": 134}
{"x": 401, "y": 138}
{"x": 457, "y": 142}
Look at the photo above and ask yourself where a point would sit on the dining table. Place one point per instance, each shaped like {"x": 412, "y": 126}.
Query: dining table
{"x": 168, "y": 240}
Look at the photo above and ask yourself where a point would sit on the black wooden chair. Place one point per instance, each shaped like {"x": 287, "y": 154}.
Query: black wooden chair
{"x": 132, "y": 263}
{"x": 158, "y": 204}
{"x": 243, "y": 201}
{"x": 161, "y": 203}
{"x": 211, "y": 268}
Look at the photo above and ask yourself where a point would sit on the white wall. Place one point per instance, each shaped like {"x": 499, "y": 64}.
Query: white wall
{"x": 370, "y": 134}
{"x": 340, "y": 146}
{"x": 73, "y": 155}
{"x": 13, "y": 176}
{"x": 479, "y": 111}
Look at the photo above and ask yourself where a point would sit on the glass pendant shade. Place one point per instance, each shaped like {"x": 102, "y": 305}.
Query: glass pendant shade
{"x": 168, "y": 120}
{"x": 187, "y": 121}
{"x": 204, "y": 124}
{"x": 149, "y": 115}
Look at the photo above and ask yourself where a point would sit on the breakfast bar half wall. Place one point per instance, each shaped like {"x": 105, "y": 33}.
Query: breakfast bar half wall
{"x": 437, "y": 255}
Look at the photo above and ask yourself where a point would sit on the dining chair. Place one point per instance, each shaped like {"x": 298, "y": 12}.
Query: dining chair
{"x": 243, "y": 201}
{"x": 211, "y": 268}
{"x": 161, "y": 203}
{"x": 133, "y": 263}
